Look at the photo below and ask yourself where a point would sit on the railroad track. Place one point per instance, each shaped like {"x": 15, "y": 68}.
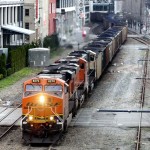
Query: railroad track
{"x": 8, "y": 129}
{"x": 51, "y": 147}
{"x": 9, "y": 112}
{"x": 45, "y": 147}
{"x": 142, "y": 98}
{"x": 138, "y": 137}
{"x": 3, "y": 110}
{"x": 144, "y": 41}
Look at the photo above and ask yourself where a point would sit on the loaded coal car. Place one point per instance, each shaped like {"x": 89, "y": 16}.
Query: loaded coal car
{"x": 109, "y": 37}
{"x": 107, "y": 46}
{"x": 124, "y": 32}
{"x": 115, "y": 36}
{"x": 118, "y": 32}
{"x": 100, "y": 58}
{"x": 106, "y": 41}
{"x": 53, "y": 96}
{"x": 104, "y": 49}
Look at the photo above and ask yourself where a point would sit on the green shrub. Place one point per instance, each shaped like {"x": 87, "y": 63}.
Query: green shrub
{"x": 10, "y": 71}
{"x": 1, "y": 76}
{"x": 2, "y": 60}
{"x": 51, "y": 41}
{"x": 3, "y": 71}
{"x": 17, "y": 58}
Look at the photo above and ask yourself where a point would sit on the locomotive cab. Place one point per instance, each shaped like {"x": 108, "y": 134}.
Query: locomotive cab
{"x": 44, "y": 108}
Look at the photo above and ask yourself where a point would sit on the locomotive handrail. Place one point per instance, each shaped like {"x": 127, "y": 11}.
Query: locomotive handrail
{"x": 76, "y": 89}
{"x": 91, "y": 72}
{"x": 60, "y": 119}
{"x": 26, "y": 114}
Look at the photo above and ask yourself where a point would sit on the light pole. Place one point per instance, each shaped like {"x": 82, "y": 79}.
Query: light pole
{"x": 41, "y": 17}
{"x": 42, "y": 21}
{"x": 140, "y": 16}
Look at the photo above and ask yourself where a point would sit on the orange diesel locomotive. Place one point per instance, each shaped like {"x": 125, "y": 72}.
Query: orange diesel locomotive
{"x": 52, "y": 98}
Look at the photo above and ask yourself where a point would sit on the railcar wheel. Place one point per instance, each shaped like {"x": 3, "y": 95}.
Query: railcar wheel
{"x": 65, "y": 128}
{"x": 85, "y": 95}
{"x": 82, "y": 99}
{"x": 25, "y": 143}
{"x": 74, "y": 112}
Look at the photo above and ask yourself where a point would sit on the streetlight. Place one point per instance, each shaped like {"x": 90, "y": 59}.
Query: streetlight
{"x": 140, "y": 16}
{"x": 41, "y": 20}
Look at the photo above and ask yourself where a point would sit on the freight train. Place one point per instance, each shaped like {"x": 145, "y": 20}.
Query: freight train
{"x": 51, "y": 98}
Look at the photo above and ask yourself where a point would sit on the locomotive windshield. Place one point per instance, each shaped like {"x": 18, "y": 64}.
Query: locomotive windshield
{"x": 32, "y": 89}
{"x": 54, "y": 89}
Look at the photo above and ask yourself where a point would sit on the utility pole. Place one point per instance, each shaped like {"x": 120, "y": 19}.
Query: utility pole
{"x": 41, "y": 17}
{"x": 141, "y": 16}
{"x": 42, "y": 21}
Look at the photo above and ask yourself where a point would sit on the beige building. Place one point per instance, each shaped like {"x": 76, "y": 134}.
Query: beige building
{"x": 36, "y": 18}
{"x": 29, "y": 20}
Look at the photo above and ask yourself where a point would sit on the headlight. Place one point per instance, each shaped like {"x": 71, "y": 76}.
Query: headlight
{"x": 51, "y": 118}
{"x": 42, "y": 99}
{"x": 30, "y": 118}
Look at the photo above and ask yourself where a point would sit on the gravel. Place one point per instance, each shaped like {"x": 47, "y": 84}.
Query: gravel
{"x": 117, "y": 89}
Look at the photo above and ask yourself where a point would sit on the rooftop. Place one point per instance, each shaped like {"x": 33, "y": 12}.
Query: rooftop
{"x": 9, "y": 2}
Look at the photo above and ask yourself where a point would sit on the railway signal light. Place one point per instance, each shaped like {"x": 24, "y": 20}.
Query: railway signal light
{"x": 83, "y": 33}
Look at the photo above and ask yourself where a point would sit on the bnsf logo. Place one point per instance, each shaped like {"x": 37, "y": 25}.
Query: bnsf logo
{"x": 48, "y": 104}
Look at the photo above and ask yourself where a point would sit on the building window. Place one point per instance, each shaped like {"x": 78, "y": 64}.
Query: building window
{"x": 87, "y": 16}
{"x": 87, "y": 9}
{"x": 27, "y": 38}
{"x": 26, "y": 12}
{"x": 58, "y": 4}
{"x": 105, "y": 8}
{"x": 27, "y": 25}
{"x": 98, "y": 8}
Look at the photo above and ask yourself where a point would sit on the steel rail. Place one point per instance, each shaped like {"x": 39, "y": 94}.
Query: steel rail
{"x": 51, "y": 147}
{"x": 123, "y": 110}
{"x": 138, "y": 138}
{"x": 10, "y": 112}
{"x": 3, "y": 110}
{"x": 9, "y": 128}
{"x": 138, "y": 141}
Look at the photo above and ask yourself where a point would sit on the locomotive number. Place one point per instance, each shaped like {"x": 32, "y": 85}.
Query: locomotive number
{"x": 51, "y": 81}
{"x": 35, "y": 81}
